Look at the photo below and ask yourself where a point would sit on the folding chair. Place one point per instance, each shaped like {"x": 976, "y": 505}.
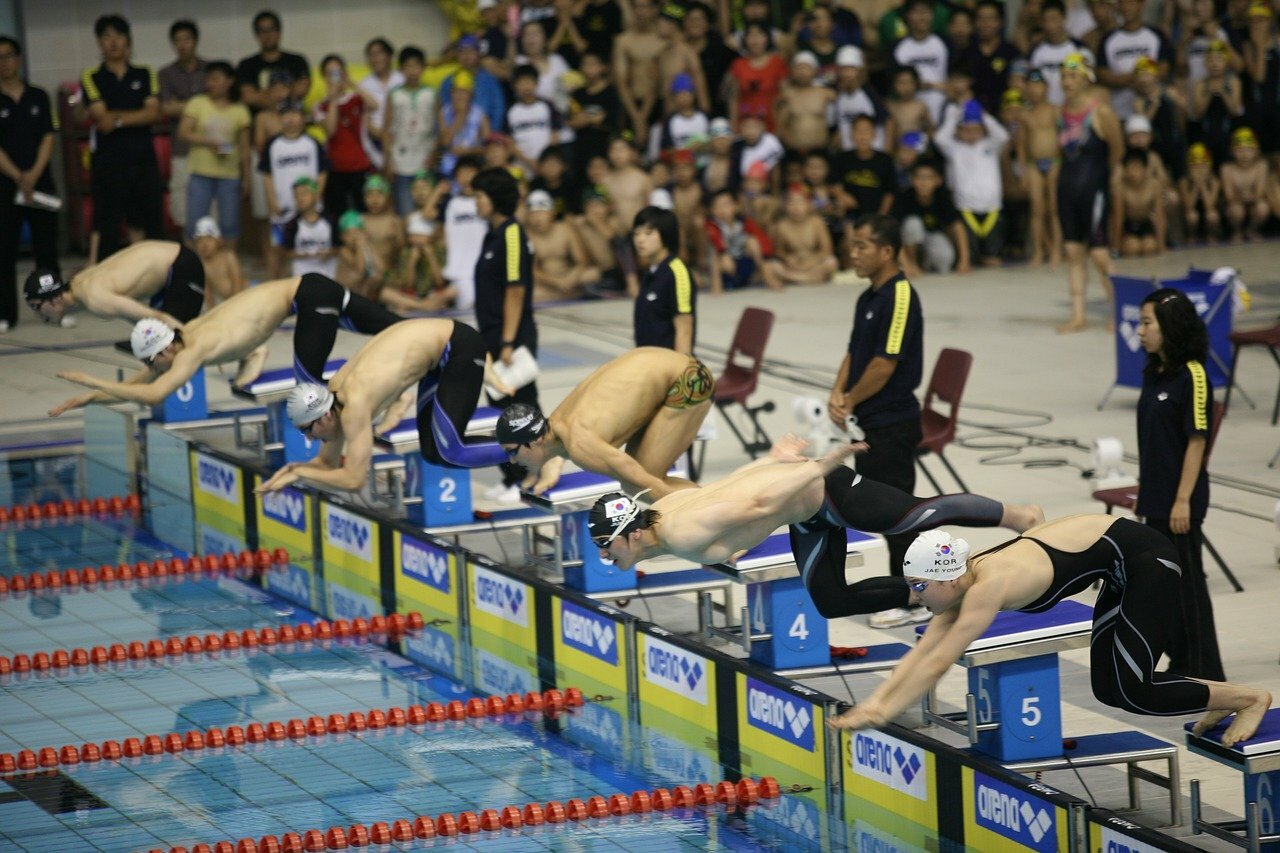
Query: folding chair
{"x": 1269, "y": 338}
{"x": 950, "y": 373}
{"x": 1127, "y": 497}
{"x": 738, "y": 382}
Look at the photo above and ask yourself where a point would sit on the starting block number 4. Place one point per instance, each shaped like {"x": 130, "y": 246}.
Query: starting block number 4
{"x": 797, "y": 634}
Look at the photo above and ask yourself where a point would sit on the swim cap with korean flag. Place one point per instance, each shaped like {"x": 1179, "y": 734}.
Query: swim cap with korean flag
{"x": 612, "y": 516}
{"x": 308, "y": 402}
{"x": 149, "y": 338}
{"x": 43, "y": 285}
{"x": 936, "y": 556}
{"x": 520, "y": 423}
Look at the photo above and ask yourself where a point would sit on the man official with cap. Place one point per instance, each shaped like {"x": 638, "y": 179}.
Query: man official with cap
{"x": 237, "y": 330}
{"x": 447, "y": 362}
{"x": 650, "y": 401}
{"x": 155, "y": 279}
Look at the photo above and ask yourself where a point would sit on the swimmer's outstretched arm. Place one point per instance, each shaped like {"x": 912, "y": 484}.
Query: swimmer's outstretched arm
{"x": 185, "y": 365}
{"x": 82, "y": 400}
{"x": 593, "y": 453}
{"x": 944, "y": 641}
{"x": 329, "y": 457}
{"x": 333, "y": 469}
{"x": 108, "y": 303}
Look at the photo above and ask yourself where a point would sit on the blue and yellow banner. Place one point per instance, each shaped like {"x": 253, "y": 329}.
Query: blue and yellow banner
{"x": 888, "y": 779}
{"x": 590, "y": 648}
{"x": 349, "y": 553}
{"x": 501, "y": 606}
{"x": 780, "y": 732}
{"x": 1000, "y": 816}
{"x": 677, "y": 709}
{"x": 217, "y": 489}
{"x": 427, "y": 581}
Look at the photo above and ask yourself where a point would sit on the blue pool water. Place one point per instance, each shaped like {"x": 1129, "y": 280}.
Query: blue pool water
{"x": 208, "y": 796}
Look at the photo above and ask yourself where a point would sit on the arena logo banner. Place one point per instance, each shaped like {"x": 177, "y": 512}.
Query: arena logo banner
{"x": 589, "y": 633}
{"x": 433, "y": 649}
{"x": 1014, "y": 813}
{"x": 500, "y": 596}
{"x": 676, "y": 670}
{"x": 218, "y": 479}
{"x": 500, "y": 676}
{"x": 348, "y": 532}
{"x": 1117, "y": 842}
{"x": 287, "y": 507}
{"x": 425, "y": 563}
{"x": 344, "y": 603}
{"x": 889, "y": 761}
{"x": 780, "y": 714}
{"x": 291, "y": 582}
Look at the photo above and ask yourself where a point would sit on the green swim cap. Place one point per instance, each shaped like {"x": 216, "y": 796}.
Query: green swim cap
{"x": 376, "y": 182}
{"x": 350, "y": 219}
{"x": 305, "y": 181}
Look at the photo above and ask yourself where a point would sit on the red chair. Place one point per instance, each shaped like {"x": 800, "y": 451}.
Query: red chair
{"x": 1127, "y": 497}
{"x": 1269, "y": 338}
{"x": 950, "y": 373}
{"x": 738, "y": 382}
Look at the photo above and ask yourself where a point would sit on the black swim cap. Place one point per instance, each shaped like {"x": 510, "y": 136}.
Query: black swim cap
{"x": 613, "y": 515}
{"x": 520, "y": 423}
{"x": 43, "y": 285}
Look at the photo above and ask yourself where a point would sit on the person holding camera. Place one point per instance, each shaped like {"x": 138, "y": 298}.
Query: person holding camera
{"x": 343, "y": 113}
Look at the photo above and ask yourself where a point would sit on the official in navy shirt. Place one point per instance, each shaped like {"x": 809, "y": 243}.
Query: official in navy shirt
{"x": 664, "y": 311}
{"x": 878, "y": 377}
{"x": 28, "y": 130}
{"x": 504, "y": 287}
{"x": 1175, "y": 421}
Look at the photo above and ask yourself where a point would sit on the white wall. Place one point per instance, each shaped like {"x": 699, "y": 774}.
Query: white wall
{"x": 60, "y": 42}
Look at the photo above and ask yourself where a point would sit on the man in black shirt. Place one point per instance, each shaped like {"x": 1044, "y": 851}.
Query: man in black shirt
{"x": 990, "y": 56}
{"x": 494, "y": 44}
{"x": 504, "y": 296}
{"x": 599, "y": 23}
{"x": 124, "y": 101}
{"x": 664, "y": 312}
{"x": 878, "y": 377}
{"x": 932, "y": 233}
{"x": 866, "y": 177}
{"x": 27, "y": 131}
{"x": 595, "y": 114}
{"x": 253, "y": 74}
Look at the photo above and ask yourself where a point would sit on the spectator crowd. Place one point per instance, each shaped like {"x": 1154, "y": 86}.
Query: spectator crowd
{"x": 767, "y": 126}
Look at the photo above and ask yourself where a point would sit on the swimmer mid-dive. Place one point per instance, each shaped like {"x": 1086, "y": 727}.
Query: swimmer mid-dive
{"x": 651, "y": 399}
{"x": 237, "y": 330}
{"x": 448, "y": 363}
{"x": 818, "y": 498}
{"x": 1133, "y": 618}
{"x": 155, "y": 279}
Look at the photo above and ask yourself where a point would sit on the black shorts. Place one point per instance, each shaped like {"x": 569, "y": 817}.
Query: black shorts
{"x": 182, "y": 296}
{"x": 1139, "y": 228}
{"x": 1083, "y": 214}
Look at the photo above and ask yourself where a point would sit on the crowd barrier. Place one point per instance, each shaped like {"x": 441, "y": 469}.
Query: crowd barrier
{"x": 682, "y": 710}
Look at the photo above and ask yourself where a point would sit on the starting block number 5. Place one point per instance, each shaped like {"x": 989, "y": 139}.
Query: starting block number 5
{"x": 1030, "y": 715}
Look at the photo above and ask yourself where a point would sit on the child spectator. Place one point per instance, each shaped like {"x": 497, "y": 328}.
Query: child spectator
{"x": 561, "y": 268}
{"x": 927, "y": 53}
{"x": 606, "y": 243}
{"x": 854, "y": 98}
{"x": 1055, "y": 46}
{"x": 463, "y": 231}
{"x": 595, "y": 113}
{"x": 866, "y": 176}
{"x": 463, "y": 124}
{"x": 628, "y": 185}
{"x": 553, "y": 181}
{"x": 1244, "y": 186}
{"x": 532, "y": 122}
{"x": 803, "y": 251}
{"x": 267, "y": 124}
{"x": 804, "y": 108}
{"x": 286, "y": 158}
{"x": 383, "y": 228}
{"x": 932, "y": 235}
{"x": 222, "y": 277}
{"x": 959, "y": 86}
{"x": 343, "y": 113}
{"x": 686, "y": 200}
{"x": 739, "y": 247}
{"x": 911, "y": 149}
{"x": 1201, "y": 192}
{"x": 1216, "y": 103}
{"x": 410, "y": 123}
{"x": 1041, "y": 159}
{"x": 1261, "y": 62}
{"x": 500, "y": 153}
{"x": 757, "y": 145}
{"x": 307, "y": 238}
{"x": 757, "y": 201}
{"x": 1138, "y": 134}
{"x": 1139, "y": 209}
{"x": 907, "y": 109}
{"x": 971, "y": 142}
{"x": 718, "y": 171}
{"x": 1017, "y": 199}
{"x": 359, "y": 270}
{"x": 422, "y": 270}
{"x": 1166, "y": 118}
{"x": 686, "y": 126}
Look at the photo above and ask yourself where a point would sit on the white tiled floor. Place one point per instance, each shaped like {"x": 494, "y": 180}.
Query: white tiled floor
{"x": 1033, "y": 386}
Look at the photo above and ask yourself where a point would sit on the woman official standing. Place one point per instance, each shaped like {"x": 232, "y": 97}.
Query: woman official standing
{"x": 504, "y": 298}
{"x": 1174, "y": 421}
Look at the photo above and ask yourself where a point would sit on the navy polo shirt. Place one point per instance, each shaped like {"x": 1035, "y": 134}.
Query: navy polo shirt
{"x": 666, "y": 291}
{"x": 1175, "y": 405}
{"x": 505, "y": 261}
{"x": 125, "y": 93}
{"x": 888, "y": 323}
{"x": 24, "y": 124}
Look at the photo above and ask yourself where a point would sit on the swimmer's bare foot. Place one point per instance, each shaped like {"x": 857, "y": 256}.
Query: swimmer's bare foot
{"x": 1071, "y": 326}
{"x": 251, "y": 367}
{"x": 1022, "y": 517}
{"x": 1247, "y": 719}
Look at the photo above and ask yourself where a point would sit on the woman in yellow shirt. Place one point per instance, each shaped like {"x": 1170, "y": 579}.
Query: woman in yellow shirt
{"x": 217, "y": 129}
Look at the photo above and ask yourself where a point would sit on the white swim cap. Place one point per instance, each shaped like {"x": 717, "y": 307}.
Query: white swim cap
{"x": 149, "y": 338}
{"x": 308, "y": 402}
{"x": 936, "y": 556}
{"x": 207, "y": 226}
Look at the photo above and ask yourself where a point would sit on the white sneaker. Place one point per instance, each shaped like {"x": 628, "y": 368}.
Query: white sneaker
{"x": 509, "y": 497}
{"x": 496, "y": 491}
{"x": 899, "y": 616}
{"x": 68, "y": 322}
{"x": 4, "y": 327}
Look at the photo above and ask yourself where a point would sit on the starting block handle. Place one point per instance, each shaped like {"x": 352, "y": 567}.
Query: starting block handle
{"x": 965, "y": 723}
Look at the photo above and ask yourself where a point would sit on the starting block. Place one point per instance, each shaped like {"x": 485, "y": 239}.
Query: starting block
{"x": 443, "y": 493}
{"x": 271, "y": 389}
{"x": 1258, "y": 759}
{"x": 188, "y": 403}
{"x": 780, "y": 626}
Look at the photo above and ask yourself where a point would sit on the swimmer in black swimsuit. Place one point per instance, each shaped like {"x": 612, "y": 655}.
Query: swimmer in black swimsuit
{"x": 1131, "y": 624}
